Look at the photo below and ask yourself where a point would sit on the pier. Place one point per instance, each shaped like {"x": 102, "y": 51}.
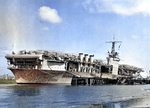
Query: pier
{"x": 106, "y": 81}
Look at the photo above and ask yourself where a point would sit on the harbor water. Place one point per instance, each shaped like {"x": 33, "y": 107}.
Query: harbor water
{"x": 51, "y": 96}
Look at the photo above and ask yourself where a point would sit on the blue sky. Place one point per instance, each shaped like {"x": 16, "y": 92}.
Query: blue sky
{"x": 75, "y": 26}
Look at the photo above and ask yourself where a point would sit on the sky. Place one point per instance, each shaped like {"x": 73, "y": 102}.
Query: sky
{"x": 75, "y": 26}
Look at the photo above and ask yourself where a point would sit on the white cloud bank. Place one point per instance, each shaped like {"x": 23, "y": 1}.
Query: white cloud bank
{"x": 49, "y": 15}
{"x": 123, "y": 7}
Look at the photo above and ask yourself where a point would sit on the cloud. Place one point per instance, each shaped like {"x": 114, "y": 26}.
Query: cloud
{"x": 122, "y": 7}
{"x": 134, "y": 36}
{"x": 45, "y": 29}
{"x": 49, "y": 15}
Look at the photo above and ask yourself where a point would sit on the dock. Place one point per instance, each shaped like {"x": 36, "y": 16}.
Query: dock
{"x": 106, "y": 81}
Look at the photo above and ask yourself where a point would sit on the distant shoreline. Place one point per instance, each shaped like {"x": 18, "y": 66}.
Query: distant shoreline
{"x": 8, "y": 82}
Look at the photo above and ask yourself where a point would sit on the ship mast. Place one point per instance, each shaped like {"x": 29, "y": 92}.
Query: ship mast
{"x": 113, "y": 54}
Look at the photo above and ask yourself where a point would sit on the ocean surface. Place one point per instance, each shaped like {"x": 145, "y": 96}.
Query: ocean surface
{"x": 63, "y": 96}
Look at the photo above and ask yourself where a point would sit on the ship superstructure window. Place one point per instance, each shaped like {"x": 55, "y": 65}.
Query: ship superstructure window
{"x": 28, "y": 63}
{"x": 20, "y": 62}
{"x": 25, "y": 61}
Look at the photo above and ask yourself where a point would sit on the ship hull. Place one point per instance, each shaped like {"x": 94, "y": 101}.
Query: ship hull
{"x": 30, "y": 76}
{"x": 35, "y": 76}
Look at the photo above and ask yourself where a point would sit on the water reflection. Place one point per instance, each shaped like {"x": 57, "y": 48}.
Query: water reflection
{"x": 74, "y": 96}
{"x": 26, "y": 90}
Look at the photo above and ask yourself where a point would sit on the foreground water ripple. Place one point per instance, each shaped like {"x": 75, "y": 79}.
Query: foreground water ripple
{"x": 51, "y": 96}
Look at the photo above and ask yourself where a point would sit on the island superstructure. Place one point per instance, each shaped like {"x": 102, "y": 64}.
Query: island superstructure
{"x": 52, "y": 67}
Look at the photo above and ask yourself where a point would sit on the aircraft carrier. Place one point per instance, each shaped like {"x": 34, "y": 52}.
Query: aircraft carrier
{"x": 40, "y": 66}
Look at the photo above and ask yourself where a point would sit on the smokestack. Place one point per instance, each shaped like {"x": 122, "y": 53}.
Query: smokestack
{"x": 91, "y": 58}
{"x": 81, "y": 57}
{"x": 86, "y": 57}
